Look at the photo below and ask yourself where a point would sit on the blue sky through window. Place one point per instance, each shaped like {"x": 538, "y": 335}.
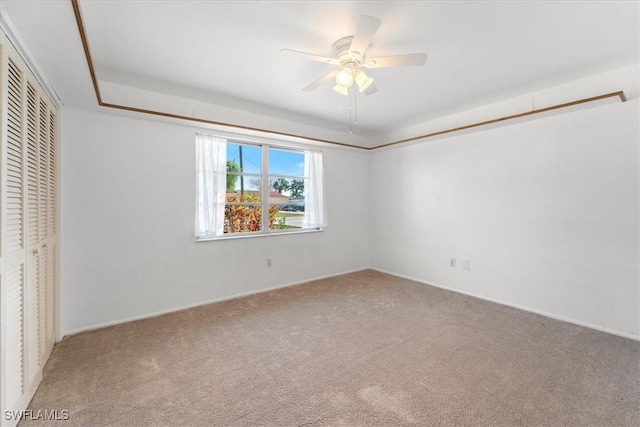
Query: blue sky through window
{"x": 281, "y": 162}
{"x": 250, "y": 157}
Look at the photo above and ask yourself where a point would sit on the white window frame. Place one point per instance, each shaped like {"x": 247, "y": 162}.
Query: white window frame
{"x": 265, "y": 192}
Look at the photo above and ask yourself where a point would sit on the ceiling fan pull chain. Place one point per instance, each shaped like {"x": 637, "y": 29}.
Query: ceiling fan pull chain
{"x": 349, "y": 96}
{"x": 355, "y": 105}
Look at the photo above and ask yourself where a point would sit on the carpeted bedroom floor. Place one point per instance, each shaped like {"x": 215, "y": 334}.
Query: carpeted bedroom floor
{"x": 361, "y": 349}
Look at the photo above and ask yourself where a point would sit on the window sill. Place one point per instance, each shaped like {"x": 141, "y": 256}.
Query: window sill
{"x": 253, "y": 235}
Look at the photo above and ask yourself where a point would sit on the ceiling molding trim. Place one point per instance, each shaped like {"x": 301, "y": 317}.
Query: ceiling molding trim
{"x": 619, "y": 94}
{"x": 87, "y": 52}
{"x": 212, "y": 122}
{"x": 101, "y": 103}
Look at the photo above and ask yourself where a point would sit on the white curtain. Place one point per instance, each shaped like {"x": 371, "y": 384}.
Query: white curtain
{"x": 314, "y": 206}
{"x": 211, "y": 185}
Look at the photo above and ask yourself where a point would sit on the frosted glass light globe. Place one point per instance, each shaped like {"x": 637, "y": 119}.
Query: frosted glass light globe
{"x": 344, "y": 78}
{"x": 363, "y": 80}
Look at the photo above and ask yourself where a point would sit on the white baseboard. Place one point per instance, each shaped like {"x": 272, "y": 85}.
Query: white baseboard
{"x": 520, "y": 307}
{"x": 200, "y": 303}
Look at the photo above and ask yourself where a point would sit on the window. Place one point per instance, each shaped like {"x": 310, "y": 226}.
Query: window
{"x": 256, "y": 189}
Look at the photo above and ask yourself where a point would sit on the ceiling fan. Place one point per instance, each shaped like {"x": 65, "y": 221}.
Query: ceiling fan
{"x": 350, "y": 59}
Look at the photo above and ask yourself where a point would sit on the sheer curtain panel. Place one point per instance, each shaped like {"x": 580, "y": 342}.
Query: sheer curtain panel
{"x": 314, "y": 209}
{"x": 211, "y": 185}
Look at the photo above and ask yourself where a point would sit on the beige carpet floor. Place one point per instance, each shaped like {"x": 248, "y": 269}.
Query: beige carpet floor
{"x": 360, "y": 349}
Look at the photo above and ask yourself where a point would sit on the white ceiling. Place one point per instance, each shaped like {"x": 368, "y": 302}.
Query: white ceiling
{"x": 228, "y": 52}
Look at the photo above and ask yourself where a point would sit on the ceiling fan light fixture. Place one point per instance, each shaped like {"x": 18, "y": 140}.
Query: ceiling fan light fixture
{"x": 341, "y": 90}
{"x": 344, "y": 77}
{"x": 350, "y": 55}
{"x": 363, "y": 81}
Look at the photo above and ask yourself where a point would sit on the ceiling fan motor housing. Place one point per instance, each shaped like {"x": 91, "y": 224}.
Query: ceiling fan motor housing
{"x": 344, "y": 55}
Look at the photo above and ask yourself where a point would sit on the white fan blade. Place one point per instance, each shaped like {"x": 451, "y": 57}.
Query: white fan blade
{"x": 320, "y": 81}
{"x": 313, "y": 57}
{"x": 396, "y": 60}
{"x": 367, "y": 27}
{"x": 371, "y": 89}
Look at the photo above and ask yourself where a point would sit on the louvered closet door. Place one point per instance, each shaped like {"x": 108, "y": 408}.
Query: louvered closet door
{"x": 33, "y": 240}
{"x": 51, "y": 275}
{"x": 14, "y": 296}
{"x": 27, "y": 232}
{"x": 43, "y": 196}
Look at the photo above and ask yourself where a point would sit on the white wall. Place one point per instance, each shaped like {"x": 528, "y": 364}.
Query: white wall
{"x": 547, "y": 211}
{"x": 127, "y": 225}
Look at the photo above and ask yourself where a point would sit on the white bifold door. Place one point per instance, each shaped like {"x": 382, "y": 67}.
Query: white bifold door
{"x": 28, "y": 223}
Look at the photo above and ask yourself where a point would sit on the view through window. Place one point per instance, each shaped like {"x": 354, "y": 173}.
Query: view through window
{"x": 283, "y": 184}
{"x": 266, "y": 189}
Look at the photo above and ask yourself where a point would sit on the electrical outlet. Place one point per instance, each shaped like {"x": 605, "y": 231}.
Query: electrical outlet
{"x": 466, "y": 264}
{"x": 268, "y": 262}
{"x": 452, "y": 262}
